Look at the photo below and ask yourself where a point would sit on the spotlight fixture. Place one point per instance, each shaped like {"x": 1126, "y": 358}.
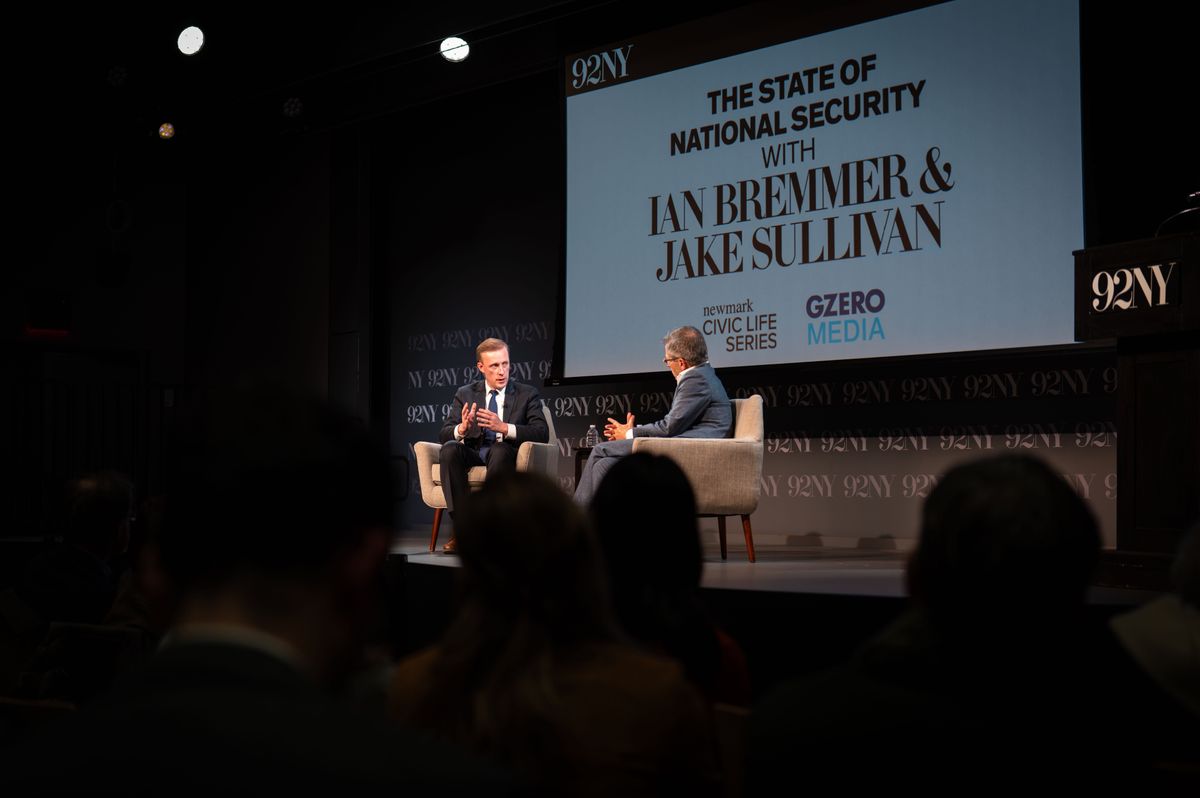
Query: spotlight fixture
{"x": 117, "y": 76}
{"x": 190, "y": 41}
{"x": 166, "y": 131}
{"x": 293, "y": 107}
{"x": 455, "y": 49}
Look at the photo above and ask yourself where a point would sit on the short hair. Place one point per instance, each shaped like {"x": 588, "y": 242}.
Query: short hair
{"x": 488, "y": 345}
{"x": 687, "y": 343}
{"x": 527, "y": 548}
{"x": 665, "y": 521}
{"x": 531, "y": 593}
{"x": 657, "y": 599}
{"x": 96, "y": 506}
{"x": 272, "y": 483}
{"x": 1004, "y": 537}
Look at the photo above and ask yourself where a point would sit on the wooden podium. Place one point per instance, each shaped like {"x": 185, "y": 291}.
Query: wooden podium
{"x": 1146, "y": 295}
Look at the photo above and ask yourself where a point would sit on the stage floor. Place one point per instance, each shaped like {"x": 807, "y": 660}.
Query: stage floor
{"x": 781, "y": 569}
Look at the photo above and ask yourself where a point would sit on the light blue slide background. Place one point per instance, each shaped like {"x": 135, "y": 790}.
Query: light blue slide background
{"x": 1001, "y": 101}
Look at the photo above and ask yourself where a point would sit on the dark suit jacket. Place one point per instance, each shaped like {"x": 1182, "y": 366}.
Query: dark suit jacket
{"x": 700, "y": 409}
{"x": 215, "y": 718}
{"x": 522, "y": 408}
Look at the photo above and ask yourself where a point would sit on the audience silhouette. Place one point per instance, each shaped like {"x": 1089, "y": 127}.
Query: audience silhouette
{"x": 576, "y": 663}
{"x": 59, "y": 639}
{"x": 533, "y": 670}
{"x": 272, "y": 549}
{"x": 993, "y": 675}
{"x": 645, "y": 514}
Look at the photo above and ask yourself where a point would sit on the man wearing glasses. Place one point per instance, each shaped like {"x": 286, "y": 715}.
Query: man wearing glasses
{"x": 699, "y": 409}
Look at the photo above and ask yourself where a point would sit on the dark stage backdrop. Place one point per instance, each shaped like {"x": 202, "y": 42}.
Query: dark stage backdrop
{"x": 365, "y": 249}
{"x": 468, "y": 231}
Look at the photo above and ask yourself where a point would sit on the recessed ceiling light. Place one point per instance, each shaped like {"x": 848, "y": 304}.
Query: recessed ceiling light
{"x": 455, "y": 49}
{"x": 191, "y": 40}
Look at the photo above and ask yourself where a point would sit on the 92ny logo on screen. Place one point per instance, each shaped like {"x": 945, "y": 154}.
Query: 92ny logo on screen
{"x": 597, "y": 68}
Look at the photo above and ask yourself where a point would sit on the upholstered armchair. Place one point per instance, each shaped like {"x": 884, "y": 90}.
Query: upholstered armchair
{"x": 539, "y": 457}
{"x": 726, "y": 473}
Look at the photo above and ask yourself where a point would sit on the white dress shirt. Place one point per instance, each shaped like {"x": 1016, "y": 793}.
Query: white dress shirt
{"x": 512, "y": 428}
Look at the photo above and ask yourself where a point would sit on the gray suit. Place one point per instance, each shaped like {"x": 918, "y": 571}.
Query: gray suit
{"x": 699, "y": 409}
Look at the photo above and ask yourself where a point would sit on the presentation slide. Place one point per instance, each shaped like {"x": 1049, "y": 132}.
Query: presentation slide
{"x": 903, "y": 186}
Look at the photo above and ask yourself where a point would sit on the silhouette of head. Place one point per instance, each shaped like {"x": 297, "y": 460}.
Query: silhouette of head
{"x": 528, "y": 551}
{"x": 1185, "y": 570}
{"x": 273, "y": 484}
{"x": 98, "y": 510}
{"x": 1003, "y": 537}
{"x": 646, "y": 502}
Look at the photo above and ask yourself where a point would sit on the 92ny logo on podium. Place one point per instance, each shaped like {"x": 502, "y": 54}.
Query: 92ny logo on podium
{"x": 1123, "y": 289}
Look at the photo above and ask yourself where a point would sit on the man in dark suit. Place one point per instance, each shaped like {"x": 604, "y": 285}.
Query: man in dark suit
{"x": 488, "y": 422}
{"x": 699, "y": 409}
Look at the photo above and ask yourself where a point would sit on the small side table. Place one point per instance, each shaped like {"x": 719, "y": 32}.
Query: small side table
{"x": 581, "y": 457}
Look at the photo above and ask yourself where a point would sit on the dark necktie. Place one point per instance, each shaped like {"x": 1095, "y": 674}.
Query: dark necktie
{"x": 489, "y": 436}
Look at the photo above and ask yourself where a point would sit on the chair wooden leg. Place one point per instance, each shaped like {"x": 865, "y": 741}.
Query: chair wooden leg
{"x": 721, "y": 533}
{"x": 437, "y": 524}
{"x": 749, "y": 537}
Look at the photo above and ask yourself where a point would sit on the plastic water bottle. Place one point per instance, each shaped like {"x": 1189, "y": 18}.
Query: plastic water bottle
{"x": 593, "y": 437}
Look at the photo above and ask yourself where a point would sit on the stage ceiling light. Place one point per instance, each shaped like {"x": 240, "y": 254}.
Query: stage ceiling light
{"x": 293, "y": 107}
{"x": 455, "y": 49}
{"x": 191, "y": 39}
{"x": 166, "y": 131}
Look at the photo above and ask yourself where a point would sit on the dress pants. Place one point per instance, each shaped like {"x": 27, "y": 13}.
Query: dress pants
{"x": 603, "y": 457}
{"x": 457, "y": 458}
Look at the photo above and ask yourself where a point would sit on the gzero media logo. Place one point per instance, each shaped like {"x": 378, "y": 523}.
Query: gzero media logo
{"x": 845, "y": 317}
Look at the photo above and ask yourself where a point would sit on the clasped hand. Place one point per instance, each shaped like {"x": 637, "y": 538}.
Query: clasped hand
{"x": 489, "y": 420}
{"x": 615, "y": 430}
{"x": 486, "y": 418}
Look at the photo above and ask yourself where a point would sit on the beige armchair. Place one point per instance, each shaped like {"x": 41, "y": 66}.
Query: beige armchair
{"x": 539, "y": 457}
{"x": 725, "y": 473}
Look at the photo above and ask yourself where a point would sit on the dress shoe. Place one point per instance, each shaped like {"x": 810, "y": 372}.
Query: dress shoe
{"x": 451, "y": 547}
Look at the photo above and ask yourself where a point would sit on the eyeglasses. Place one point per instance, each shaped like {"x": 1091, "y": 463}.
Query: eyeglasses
{"x": 667, "y": 360}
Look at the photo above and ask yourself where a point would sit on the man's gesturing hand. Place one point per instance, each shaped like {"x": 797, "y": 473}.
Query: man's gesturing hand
{"x": 468, "y": 415}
